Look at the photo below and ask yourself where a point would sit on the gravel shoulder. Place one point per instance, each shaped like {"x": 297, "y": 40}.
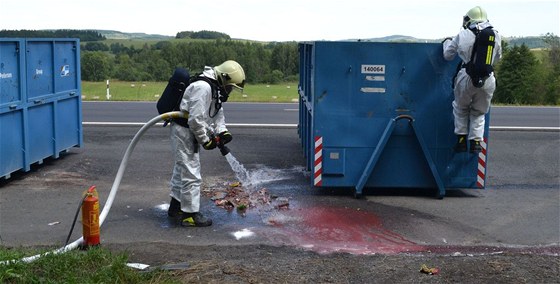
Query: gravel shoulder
{"x": 269, "y": 264}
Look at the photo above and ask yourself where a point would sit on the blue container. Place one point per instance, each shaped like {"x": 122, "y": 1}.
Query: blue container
{"x": 40, "y": 101}
{"x": 380, "y": 115}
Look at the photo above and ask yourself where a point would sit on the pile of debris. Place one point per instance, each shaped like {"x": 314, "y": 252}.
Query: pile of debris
{"x": 234, "y": 196}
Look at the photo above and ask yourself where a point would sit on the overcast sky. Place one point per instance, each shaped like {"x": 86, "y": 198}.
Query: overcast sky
{"x": 286, "y": 20}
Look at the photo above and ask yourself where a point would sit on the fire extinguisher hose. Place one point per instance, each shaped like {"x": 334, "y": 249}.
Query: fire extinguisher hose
{"x": 116, "y": 183}
{"x": 75, "y": 219}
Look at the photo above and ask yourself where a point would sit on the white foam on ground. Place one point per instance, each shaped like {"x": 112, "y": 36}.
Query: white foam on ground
{"x": 245, "y": 233}
{"x": 163, "y": 207}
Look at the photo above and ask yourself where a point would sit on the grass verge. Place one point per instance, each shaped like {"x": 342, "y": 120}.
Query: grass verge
{"x": 95, "y": 265}
{"x": 150, "y": 91}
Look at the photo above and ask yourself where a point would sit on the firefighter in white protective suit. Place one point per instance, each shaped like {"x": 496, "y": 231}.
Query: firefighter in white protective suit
{"x": 202, "y": 100}
{"x": 473, "y": 96}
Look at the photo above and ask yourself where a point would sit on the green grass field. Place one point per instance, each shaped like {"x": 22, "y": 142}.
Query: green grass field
{"x": 96, "y": 265}
{"x": 150, "y": 91}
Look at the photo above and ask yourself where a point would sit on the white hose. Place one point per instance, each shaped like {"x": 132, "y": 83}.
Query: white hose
{"x": 114, "y": 188}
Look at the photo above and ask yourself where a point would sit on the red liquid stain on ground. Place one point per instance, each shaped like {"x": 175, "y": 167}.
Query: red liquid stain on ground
{"x": 327, "y": 230}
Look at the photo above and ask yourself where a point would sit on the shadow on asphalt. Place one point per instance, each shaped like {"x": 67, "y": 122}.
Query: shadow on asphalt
{"x": 46, "y": 163}
{"x": 410, "y": 192}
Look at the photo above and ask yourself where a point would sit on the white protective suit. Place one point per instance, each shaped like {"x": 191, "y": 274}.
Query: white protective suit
{"x": 186, "y": 180}
{"x": 471, "y": 103}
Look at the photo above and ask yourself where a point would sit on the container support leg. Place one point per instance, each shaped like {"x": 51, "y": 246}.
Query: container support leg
{"x": 435, "y": 173}
{"x": 381, "y": 145}
{"x": 375, "y": 156}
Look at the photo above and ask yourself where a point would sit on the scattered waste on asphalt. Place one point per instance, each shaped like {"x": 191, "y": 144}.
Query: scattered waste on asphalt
{"x": 234, "y": 196}
{"x": 429, "y": 271}
{"x": 148, "y": 268}
{"x": 139, "y": 266}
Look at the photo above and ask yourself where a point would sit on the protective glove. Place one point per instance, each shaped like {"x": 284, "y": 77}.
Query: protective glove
{"x": 211, "y": 144}
{"x": 225, "y": 137}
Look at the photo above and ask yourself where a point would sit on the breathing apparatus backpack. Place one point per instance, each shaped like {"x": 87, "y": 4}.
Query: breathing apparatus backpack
{"x": 173, "y": 93}
{"x": 170, "y": 99}
{"x": 480, "y": 65}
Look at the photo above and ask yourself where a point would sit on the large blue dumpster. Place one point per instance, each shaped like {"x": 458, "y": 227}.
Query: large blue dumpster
{"x": 40, "y": 101}
{"x": 379, "y": 115}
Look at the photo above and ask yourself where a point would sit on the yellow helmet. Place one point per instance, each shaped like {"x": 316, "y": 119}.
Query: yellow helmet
{"x": 474, "y": 15}
{"x": 231, "y": 74}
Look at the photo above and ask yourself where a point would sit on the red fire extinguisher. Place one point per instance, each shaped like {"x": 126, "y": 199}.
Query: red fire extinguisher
{"x": 90, "y": 218}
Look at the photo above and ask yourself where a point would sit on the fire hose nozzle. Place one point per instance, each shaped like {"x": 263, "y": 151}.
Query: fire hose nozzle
{"x": 224, "y": 150}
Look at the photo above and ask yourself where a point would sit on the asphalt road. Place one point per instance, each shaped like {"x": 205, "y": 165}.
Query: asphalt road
{"x": 520, "y": 209}
{"x": 287, "y": 113}
{"x": 236, "y": 113}
{"x": 518, "y": 212}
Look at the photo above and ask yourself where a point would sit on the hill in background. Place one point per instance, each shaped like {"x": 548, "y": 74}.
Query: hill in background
{"x": 531, "y": 42}
{"x": 109, "y": 34}
{"x": 96, "y": 35}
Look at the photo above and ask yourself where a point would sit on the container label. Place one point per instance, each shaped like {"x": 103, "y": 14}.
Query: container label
{"x": 373, "y": 69}
{"x": 372, "y": 90}
{"x": 65, "y": 71}
{"x": 5, "y": 75}
{"x": 375, "y": 78}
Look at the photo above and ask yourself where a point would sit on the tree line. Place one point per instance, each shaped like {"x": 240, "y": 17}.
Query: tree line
{"x": 93, "y": 35}
{"x": 524, "y": 76}
{"x": 83, "y": 35}
{"x": 263, "y": 63}
{"x": 528, "y": 78}
{"x": 202, "y": 35}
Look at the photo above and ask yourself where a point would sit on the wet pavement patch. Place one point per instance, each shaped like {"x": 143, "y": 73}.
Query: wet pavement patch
{"x": 332, "y": 229}
{"x": 314, "y": 227}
